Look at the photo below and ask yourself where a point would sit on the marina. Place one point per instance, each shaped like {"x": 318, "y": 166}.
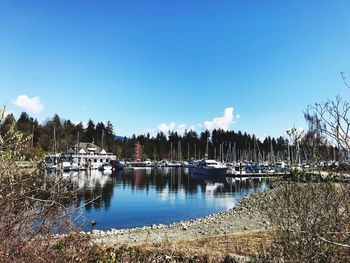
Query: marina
{"x": 174, "y": 131}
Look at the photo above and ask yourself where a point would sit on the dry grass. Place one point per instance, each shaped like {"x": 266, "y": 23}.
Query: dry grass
{"x": 216, "y": 247}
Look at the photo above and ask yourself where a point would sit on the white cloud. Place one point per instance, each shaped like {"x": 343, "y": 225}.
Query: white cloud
{"x": 192, "y": 127}
{"x": 220, "y": 122}
{"x": 163, "y": 127}
{"x": 29, "y": 104}
{"x": 181, "y": 128}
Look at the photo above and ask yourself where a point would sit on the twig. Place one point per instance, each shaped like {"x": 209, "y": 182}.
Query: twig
{"x": 332, "y": 242}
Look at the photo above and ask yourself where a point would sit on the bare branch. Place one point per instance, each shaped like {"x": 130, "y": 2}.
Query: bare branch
{"x": 344, "y": 79}
{"x": 333, "y": 243}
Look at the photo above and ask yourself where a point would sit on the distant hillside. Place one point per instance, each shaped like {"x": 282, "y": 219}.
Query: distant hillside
{"x": 120, "y": 138}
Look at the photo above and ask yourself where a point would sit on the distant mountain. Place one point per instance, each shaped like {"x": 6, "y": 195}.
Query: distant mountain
{"x": 120, "y": 138}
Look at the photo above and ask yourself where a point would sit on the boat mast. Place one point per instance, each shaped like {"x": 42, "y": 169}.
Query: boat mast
{"x": 234, "y": 152}
{"x": 171, "y": 151}
{"x": 77, "y": 149}
{"x": 188, "y": 151}
{"x": 54, "y": 140}
{"x": 206, "y": 150}
{"x": 195, "y": 151}
{"x": 102, "y": 138}
{"x": 33, "y": 136}
{"x": 228, "y": 153}
{"x": 179, "y": 151}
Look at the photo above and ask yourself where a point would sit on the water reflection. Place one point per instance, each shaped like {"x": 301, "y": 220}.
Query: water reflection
{"x": 137, "y": 197}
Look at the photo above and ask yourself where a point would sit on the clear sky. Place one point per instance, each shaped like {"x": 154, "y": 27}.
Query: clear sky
{"x": 150, "y": 65}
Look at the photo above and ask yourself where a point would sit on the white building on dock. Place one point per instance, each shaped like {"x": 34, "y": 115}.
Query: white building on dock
{"x": 90, "y": 155}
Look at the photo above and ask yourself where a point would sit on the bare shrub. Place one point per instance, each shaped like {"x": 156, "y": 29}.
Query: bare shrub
{"x": 312, "y": 223}
{"x": 33, "y": 205}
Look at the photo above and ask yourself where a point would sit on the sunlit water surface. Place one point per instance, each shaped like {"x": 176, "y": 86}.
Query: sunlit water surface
{"x": 139, "y": 197}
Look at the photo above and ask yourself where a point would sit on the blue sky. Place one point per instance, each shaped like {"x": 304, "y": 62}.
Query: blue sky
{"x": 181, "y": 63}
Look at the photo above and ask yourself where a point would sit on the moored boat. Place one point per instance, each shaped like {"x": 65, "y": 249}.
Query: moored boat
{"x": 209, "y": 167}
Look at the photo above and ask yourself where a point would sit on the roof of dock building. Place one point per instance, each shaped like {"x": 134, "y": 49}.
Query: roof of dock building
{"x": 88, "y": 146}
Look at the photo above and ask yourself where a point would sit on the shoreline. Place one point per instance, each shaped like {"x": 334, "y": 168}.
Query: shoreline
{"x": 247, "y": 216}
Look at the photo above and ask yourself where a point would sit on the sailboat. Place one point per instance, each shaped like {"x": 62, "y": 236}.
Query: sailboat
{"x": 52, "y": 159}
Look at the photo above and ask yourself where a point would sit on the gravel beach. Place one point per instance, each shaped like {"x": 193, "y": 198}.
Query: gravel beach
{"x": 248, "y": 215}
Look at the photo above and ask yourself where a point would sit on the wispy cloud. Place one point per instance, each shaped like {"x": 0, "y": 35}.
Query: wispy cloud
{"x": 29, "y": 104}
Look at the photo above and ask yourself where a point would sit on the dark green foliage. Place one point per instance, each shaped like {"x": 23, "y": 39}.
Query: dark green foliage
{"x": 89, "y": 132}
{"x": 154, "y": 147}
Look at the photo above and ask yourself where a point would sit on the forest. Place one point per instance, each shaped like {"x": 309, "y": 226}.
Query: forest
{"x": 62, "y": 134}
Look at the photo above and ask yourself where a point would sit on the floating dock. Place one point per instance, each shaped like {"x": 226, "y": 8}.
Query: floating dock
{"x": 247, "y": 175}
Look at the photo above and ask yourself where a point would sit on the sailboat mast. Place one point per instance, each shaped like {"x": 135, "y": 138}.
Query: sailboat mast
{"x": 171, "y": 151}
{"x": 234, "y": 152}
{"x": 102, "y": 138}
{"x": 78, "y": 144}
{"x": 179, "y": 151}
{"x": 206, "y": 150}
{"x": 188, "y": 151}
{"x": 228, "y": 153}
{"x": 195, "y": 151}
{"x": 54, "y": 140}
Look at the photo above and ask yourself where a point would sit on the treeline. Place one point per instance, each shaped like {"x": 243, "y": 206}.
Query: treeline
{"x": 216, "y": 144}
{"x": 59, "y": 134}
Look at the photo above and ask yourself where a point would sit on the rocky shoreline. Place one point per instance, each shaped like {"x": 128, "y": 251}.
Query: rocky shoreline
{"x": 248, "y": 215}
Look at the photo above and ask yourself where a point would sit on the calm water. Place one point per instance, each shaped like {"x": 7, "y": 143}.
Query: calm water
{"x": 157, "y": 196}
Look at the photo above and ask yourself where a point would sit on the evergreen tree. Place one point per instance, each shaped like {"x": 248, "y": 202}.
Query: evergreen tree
{"x": 89, "y": 132}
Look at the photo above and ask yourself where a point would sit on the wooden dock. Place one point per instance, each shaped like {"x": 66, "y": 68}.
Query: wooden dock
{"x": 249, "y": 175}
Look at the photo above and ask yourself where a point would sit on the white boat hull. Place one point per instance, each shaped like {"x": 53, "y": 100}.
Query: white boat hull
{"x": 208, "y": 170}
